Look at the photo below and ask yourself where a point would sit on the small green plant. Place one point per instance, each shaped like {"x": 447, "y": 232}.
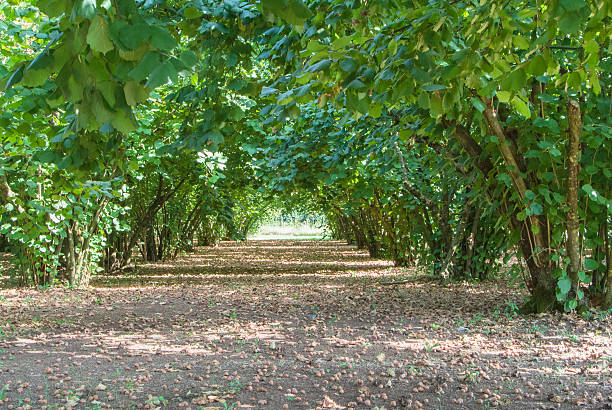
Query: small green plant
{"x": 476, "y": 318}
{"x": 229, "y": 406}
{"x": 128, "y": 385}
{"x": 235, "y": 386}
{"x": 511, "y": 310}
{"x": 158, "y": 400}
{"x": 429, "y": 347}
{"x": 536, "y": 328}
{"x": 415, "y": 370}
{"x": 471, "y": 376}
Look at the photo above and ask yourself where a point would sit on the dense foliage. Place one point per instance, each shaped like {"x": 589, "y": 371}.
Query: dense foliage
{"x": 451, "y": 135}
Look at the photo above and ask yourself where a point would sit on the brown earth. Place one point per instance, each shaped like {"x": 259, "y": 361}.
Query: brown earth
{"x": 281, "y": 324}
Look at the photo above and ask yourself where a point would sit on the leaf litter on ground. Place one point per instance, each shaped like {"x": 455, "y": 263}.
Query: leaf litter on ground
{"x": 293, "y": 324}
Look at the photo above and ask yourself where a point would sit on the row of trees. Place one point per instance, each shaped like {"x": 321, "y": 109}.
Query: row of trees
{"x": 438, "y": 133}
{"x": 513, "y": 99}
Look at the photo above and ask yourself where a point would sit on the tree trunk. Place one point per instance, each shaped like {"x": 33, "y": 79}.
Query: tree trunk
{"x": 473, "y": 241}
{"x": 534, "y": 248}
{"x": 607, "y": 303}
{"x": 573, "y": 156}
{"x": 542, "y": 282}
{"x": 70, "y": 257}
{"x": 450, "y": 253}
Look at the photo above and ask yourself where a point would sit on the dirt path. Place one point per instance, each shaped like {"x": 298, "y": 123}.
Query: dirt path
{"x": 292, "y": 325}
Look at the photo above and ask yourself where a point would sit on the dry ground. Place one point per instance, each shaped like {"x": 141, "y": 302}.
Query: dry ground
{"x": 282, "y": 324}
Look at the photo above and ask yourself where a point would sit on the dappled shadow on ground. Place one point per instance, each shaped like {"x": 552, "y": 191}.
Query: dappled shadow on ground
{"x": 257, "y": 261}
{"x": 259, "y": 329}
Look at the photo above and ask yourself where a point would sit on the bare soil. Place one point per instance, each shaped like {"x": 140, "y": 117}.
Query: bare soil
{"x": 303, "y": 324}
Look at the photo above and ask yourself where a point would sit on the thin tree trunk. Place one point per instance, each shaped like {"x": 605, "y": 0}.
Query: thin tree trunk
{"x": 70, "y": 256}
{"x": 573, "y": 156}
{"x": 444, "y": 272}
{"x": 608, "y": 279}
{"x": 472, "y": 244}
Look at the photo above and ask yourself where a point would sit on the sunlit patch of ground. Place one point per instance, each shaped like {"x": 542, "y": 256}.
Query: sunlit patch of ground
{"x": 297, "y": 325}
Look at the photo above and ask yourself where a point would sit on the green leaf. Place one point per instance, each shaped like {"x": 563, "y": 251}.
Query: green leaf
{"x": 536, "y": 208}
{"x": 591, "y": 264}
{"x": 36, "y": 78}
{"x": 376, "y": 110}
{"x": 570, "y": 305}
{"x": 564, "y": 284}
{"x": 86, "y": 8}
{"x": 356, "y": 84}
{"x": 292, "y": 11}
{"x": 521, "y": 106}
{"x": 39, "y": 70}
{"x": 237, "y": 84}
{"x": 132, "y": 36}
{"x": 348, "y": 65}
{"x": 107, "y": 89}
{"x": 149, "y": 63}
{"x": 520, "y": 42}
{"x": 99, "y": 110}
{"x": 504, "y": 96}
{"x": 124, "y": 121}
{"x": 479, "y": 105}
{"x": 231, "y": 59}
{"x": 319, "y": 66}
{"x": 98, "y": 36}
{"x": 423, "y": 101}
{"x": 47, "y": 156}
{"x": 212, "y": 139}
{"x": 574, "y": 81}
{"x": 594, "y": 79}
{"x": 135, "y": 93}
{"x": 435, "y": 106}
{"x": 15, "y": 77}
{"x": 515, "y": 81}
{"x": 537, "y": 66}
{"x": 192, "y": 13}
{"x": 163, "y": 74}
{"x": 52, "y": 8}
{"x": 285, "y": 98}
{"x": 189, "y": 58}
{"x": 570, "y": 23}
{"x": 267, "y": 91}
{"x": 433, "y": 87}
{"x": 584, "y": 277}
{"x": 161, "y": 39}
{"x": 572, "y": 5}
